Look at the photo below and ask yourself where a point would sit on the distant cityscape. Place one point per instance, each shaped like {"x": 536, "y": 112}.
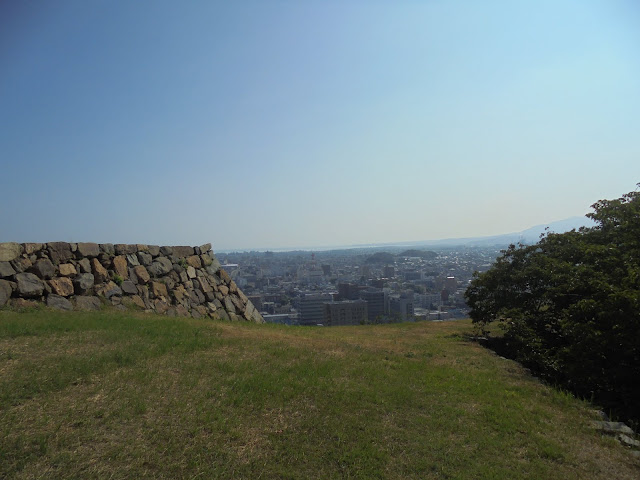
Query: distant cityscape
{"x": 358, "y": 286}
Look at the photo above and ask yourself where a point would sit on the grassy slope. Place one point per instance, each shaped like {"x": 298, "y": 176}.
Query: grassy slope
{"x": 111, "y": 395}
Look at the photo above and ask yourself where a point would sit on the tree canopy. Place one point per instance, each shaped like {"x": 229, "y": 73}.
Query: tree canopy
{"x": 570, "y": 305}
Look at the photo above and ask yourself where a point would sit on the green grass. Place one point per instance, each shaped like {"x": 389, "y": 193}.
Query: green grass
{"x": 111, "y": 395}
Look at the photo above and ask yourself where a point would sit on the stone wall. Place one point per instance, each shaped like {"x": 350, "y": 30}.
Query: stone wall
{"x": 183, "y": 281}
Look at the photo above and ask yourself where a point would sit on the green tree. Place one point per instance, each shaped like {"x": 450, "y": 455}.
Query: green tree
{"x": 570, "y": 305}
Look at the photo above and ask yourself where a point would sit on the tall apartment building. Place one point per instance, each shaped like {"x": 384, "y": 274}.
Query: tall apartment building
{"x": 401, "y": 306}
{"x": 375, "y": 303}
{"x": 311, "y": 308}
{"x": 347, "y": 312}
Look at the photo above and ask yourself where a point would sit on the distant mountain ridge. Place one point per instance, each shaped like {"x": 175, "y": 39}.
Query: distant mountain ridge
{"x": 528, "y": 236}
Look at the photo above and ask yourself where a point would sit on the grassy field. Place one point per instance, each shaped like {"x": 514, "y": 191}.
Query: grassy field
{"x": 120, "y": 396}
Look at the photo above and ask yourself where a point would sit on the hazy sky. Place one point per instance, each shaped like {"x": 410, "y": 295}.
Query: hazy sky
{"x": 312, "y": 123}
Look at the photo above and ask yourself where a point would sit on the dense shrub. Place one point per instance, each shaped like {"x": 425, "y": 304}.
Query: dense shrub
{"x": 570, "y": 305}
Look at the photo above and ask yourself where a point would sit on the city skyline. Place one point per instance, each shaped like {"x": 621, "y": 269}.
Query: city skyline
{"x": 319, "y": 124}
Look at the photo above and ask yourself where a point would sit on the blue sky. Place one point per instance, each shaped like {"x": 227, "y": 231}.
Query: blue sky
{"x": 312, "y": 123}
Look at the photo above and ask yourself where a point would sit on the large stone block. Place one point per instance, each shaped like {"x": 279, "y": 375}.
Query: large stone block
{"x": 31, "y": 248}
{"x": 107, "y": 248}
{"x": 129, "y": 287}
{"x": 119, "y": 265}
{"x": 6, "y": 270}
{"x": 132, "y": 260}
{"x": 224, "y": 276}
{"x": 5, "y": 292}
{"x": 84, "y": 265}
{"x": 21, "y": 264}
{"x": 145, "y": 258}
{"x": 58, "y": 302}
{"x": 9, "y": 251}
{"x": 88, "y": 249}
{"x": 61, "y": 286}
{"x": 205, "y": 248}
{"x": 159, "y": 289}
{"x": 100, "y": 273}
{"x": 194, "y": 261}
{"x": 29, "y": 285}
{"x": 59, "y": 252}
{"x": 124, "y": 249}
{"x": 182, "y": 251}
{"x": 43, "y": 268}
{"x": 160, "y": 266}
{"x": 142, "y": 274}
{"x": 154, "y": 250}
{"x": 67, "y": 270}
{"x": 83, "y": 283}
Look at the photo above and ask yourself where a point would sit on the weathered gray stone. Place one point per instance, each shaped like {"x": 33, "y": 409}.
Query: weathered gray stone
{"x": 160, "y": 266}
{"x": 107, "y": 248}
{"x": 99, "y": 272}
{"x": 223, "y": 315}
{"x": 228, "y": 305}
{"x": 74, "y": 247}
{"x": 83, "y": 283}
{"x": 194, "y": 261}
{"x": 6, "y": 270}
{"x": 182, "y": 251}
{"x": 160, "y": 305}
{"x": 224, "y": 276}
{"x": 205, "y": 248}
{"x": 206, "y": 260}
{"x": 5, "y": 292}
{"x": 9, "y": 251}
{"x": 142, "y": 274}
{"x": 67, "y": 270}
{"x": 119, "y": 265}
{"x": 31, "y": 248}
{"x": 195, "y": 313}
{"x": 132, "y": 260}
{"x": 166, "y": 251}
{"x": 129, "y": 287}
{"x": 154, "y": 250}
{"x": 613, "y": 427}
{"x": 178, "y": 268}
{"x": 215, "y": 265}
{"x": 21, "y": 264}
{"x": 159, "y": 289}
{"x": 137, "y": 301}
{"x": 43, "y": 268}
{"x": 145, "y": 258}
{"x": 108, "y": 290}
{"x": 58, "y": 302}
{"x": 123, "y": 248}
{"x": 61, "y": 286}
{"x": 84, "y": 265}
{"x": 88, "y": 249}
{"x": 140, "y": 247}
{"x": 627, "y": 440}
{"x": 29, "y": 285}
{"x": 181, "y": 311}
{"x": 87, "y": 303}
{"x": 59, "y": 252}
{"x": 191, "y": 272}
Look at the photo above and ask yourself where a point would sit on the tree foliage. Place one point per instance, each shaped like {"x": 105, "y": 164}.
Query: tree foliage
{"x": 570, "y": 305}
